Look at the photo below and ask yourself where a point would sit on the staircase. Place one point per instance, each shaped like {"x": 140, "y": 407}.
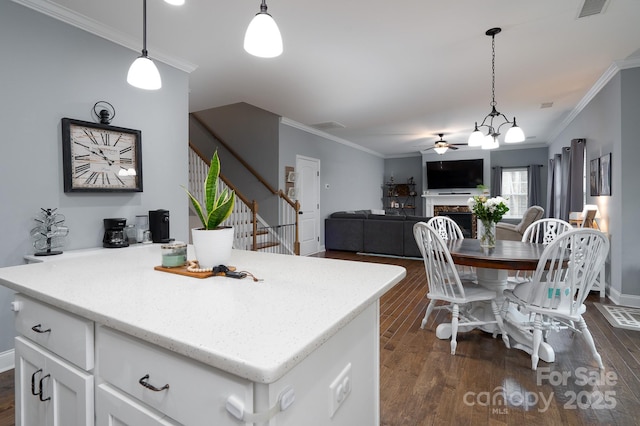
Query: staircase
{"x": 251, "y": 232}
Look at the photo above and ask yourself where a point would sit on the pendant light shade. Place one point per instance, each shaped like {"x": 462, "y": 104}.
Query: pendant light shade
{"x": 175, "y": 2}
{"x": 476, "y": 138}
{"x": 490, "y": 142}
{"x": 263, "y": 37}
{"x": 143, "y": 73}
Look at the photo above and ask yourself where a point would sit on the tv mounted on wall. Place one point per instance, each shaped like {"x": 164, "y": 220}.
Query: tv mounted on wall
{"x": 455, "y": 174}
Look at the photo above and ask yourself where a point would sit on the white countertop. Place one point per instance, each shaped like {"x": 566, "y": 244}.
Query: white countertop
{"x": 255, "y": 330}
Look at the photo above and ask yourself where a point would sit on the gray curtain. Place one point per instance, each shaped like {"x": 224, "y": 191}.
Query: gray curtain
{"x": 496, "y": 181}
{"x": 566, "y": 181}
{"x": 535, "y": 183}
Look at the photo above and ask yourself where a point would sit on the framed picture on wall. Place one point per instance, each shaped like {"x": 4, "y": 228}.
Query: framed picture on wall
{"x": 605, "y": 175}
{"x": 594, "y": 177}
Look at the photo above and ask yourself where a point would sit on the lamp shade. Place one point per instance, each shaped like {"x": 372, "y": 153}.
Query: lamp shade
{"x": 514, "y": 134}
{"x": 440, "y": 149}
{"x": 143, "y": 74}
{"x": 476, "y": 138}
{"x": 263, "y": 37}
{"x": 490, "y": 142}
{"x": 175, "y": 2}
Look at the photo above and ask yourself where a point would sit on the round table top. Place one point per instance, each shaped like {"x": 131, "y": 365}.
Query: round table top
{"x": 514, "y": 255}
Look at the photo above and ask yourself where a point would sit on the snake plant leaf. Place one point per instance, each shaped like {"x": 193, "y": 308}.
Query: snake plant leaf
{"x": 218, "y": 208}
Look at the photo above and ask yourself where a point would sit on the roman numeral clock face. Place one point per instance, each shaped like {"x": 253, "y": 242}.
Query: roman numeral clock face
{"x": 98, "y": 157}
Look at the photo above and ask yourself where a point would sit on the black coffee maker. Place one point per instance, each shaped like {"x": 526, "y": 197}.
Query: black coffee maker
{"x": 159, "y": 225}
{"x": 114, "y": 233}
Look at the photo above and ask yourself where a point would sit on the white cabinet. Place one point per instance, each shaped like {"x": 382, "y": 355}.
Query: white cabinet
{"x": 164, "y": 382}
{"x": 113, "y": 408}
{"x": 54, "y": 352}
{"x": 49, "y": 390}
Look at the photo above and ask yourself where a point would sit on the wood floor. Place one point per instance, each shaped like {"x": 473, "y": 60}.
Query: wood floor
{"x": 484, "y": 383}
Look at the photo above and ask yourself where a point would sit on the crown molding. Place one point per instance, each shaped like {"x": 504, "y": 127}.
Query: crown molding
{"x": 309, "y": 129}
{"x": 92, "y": 26}
{"x": 610, "y": 72}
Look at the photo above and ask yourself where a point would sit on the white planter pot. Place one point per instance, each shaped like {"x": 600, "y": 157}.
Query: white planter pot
{"x": 212, "y": 247}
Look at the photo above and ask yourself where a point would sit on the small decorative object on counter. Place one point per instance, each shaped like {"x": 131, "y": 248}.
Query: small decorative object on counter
{"x": 174, "y": 254}
{"x": 488, "y": 211}
{"x": 50, "y": 233}
{"x": 131, "y": 234}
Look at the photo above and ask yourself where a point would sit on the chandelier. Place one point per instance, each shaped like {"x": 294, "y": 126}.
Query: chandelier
{"x": 490, "y": 140}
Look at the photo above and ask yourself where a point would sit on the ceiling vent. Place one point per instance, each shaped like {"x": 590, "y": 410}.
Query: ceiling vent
{"x": 328, "y": 125}
{"x": 592, "y": 7}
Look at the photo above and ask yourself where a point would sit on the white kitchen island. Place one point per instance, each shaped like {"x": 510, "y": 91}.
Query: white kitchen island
{"x": 282, "y": 351}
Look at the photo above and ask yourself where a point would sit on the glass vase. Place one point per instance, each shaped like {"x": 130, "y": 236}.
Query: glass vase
{"x": 487, "y": 233}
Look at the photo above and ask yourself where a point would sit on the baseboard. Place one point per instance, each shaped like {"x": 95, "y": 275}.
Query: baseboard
{"x": 7, "y": 360}
{"x": 624, "y": 299}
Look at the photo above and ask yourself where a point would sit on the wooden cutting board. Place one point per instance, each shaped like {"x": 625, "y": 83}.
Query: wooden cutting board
{"x": 182, "y": 270}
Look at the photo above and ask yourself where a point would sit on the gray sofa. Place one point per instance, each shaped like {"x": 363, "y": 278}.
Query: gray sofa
{"x": 362, "y": 231}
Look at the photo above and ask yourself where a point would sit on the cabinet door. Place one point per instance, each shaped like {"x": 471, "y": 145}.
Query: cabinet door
{"x": 115, "y": 409}
{"x": 64, "y": 393}
{"x": 30, "y": 411}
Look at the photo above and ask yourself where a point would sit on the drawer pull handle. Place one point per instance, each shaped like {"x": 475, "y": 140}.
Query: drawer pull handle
{"x": 40, "y": 392}
{"x": 33, "y": 383}
{"x": 38, "y": 329}
{"x": 143, "y": 381}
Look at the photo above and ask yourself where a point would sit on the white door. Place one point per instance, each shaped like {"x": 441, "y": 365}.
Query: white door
{"x": 308, "y": 189}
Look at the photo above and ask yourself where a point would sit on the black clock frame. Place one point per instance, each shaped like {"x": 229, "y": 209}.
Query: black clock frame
{"x": 66, "y": 155}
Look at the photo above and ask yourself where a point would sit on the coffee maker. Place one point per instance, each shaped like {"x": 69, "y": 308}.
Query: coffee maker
{"x": 159, "y": 225}
{"x": 114, "y": 233}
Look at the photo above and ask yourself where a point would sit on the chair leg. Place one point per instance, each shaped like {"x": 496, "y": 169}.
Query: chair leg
{"x": 503, "y": 331}
{"x": 589, "y": 339}
{"x": 454, "y": 327}
{"x": 430, "y": 307}
{"x": 537, "y": 339}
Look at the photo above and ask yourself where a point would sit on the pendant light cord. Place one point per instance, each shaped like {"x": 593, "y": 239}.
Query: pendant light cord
{"x": 144, "y": 28}
{"x": 493, "y": 70}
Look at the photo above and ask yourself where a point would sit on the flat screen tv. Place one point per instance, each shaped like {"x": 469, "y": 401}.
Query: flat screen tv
{"x": 455, "y": 174}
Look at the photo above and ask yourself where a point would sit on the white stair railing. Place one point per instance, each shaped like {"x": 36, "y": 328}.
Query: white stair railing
{"x": 251, "y": 232}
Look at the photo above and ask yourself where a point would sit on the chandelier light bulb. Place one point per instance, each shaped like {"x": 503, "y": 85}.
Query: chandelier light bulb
{"x": 263, "y": 38}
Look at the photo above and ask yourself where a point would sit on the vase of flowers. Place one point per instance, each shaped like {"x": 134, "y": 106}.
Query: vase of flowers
{"x": 488, "y": 211}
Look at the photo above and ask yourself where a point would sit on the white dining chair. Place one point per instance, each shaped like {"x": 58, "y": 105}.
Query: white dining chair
{"x": 542, "y": 231}
{"x": 448, "y": 229}
{"x": 554, "y": 298}
{"x": 445, "y": 285}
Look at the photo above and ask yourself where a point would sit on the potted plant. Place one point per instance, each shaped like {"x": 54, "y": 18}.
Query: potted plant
{"x": 212, "y": 243}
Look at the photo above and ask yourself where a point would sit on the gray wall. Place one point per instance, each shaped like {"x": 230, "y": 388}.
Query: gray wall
{"x": 609, "y": 123}
{"x": 350, "y": 179}
{"x": 253, "y": 133}
{"x": 51, "y": 70}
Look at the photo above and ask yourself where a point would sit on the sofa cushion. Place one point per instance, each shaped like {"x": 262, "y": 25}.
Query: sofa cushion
{"x": 386, "y": 217}
{"x": 384, "y": 236}
{"x": 349, "y": 215}
{"x": 344, "y": 234}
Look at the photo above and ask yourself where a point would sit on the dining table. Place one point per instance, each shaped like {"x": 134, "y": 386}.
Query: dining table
{"x": 493, "y": 266}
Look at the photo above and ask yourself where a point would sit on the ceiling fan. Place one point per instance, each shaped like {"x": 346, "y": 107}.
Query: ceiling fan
{"x": 441, "y": 146}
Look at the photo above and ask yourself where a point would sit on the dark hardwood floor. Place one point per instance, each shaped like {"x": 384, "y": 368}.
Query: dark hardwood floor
{"x": 484, "y": 383}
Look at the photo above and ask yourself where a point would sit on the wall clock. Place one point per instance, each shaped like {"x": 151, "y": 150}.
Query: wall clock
{"x": 100, "y": 158}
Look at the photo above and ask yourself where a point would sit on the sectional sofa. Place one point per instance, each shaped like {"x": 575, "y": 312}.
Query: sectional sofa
{"x": 363, "y": 231}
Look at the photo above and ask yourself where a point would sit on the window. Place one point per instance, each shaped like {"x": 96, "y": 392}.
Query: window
{"x": 515, "y": 184}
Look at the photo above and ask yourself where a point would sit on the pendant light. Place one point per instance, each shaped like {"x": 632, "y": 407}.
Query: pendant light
{"x": 263, "y": 37}
{"x": 143, "y": 73}
{"x": 490, "y": 140}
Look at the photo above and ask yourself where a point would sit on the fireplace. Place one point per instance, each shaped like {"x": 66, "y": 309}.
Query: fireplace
{"x": 460, "y": 215}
